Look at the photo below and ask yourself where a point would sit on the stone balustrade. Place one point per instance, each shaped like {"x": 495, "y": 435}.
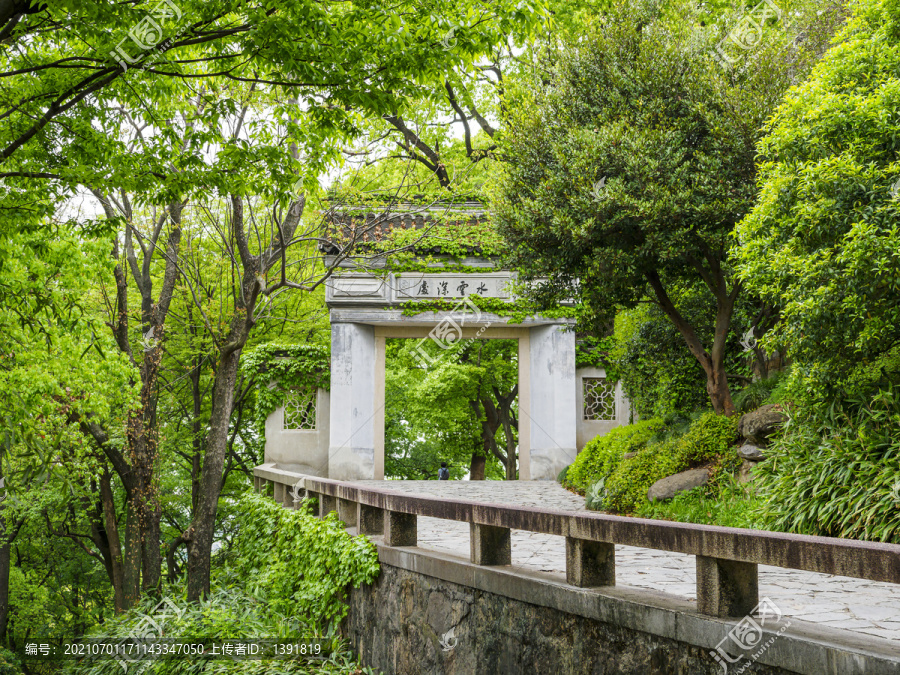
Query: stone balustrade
{"x": 726, "y": 558}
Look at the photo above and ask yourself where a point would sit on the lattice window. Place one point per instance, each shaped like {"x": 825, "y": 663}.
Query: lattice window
{"x": 599, "y": 399}
{"x": 300, "y": 409}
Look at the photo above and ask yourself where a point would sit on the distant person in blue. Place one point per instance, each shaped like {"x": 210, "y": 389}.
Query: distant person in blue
{"x": 443, "y": 472}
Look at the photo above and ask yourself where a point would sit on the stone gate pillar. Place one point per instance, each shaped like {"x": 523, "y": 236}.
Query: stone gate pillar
{"x": 553, "y": 405}
{"x": 352, "y": 452}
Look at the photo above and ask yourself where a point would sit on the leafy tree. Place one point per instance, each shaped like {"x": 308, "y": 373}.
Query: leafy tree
{"x": 629, "y": 160}
{"x": 657, "y": 372}
{"x": 822, "y": 243}
{"x": 446, "y": 140}
{"x": 62, "y": 57}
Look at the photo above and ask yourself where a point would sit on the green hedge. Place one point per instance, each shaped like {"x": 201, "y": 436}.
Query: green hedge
{"x": 709, "y": 439}
{"x": 625, "y": 481}
{"x": 603, "y": 454}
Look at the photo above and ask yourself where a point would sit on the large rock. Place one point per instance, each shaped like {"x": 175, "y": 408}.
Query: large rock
{"x": 756, "y": 426}
{"x": 746, "y": 473}
{"x": 666, "y": 488}
{"x": 750, "y": 452}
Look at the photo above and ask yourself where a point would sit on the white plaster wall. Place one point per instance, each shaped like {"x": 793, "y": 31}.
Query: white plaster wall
{"x": 553, "y": 403}
{"x": 351, "y": 455}
{"x": 303, "y": 451}
{"x": 588, "y": 429}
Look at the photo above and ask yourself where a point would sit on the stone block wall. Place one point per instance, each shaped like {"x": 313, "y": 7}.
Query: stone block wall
{"x": 408, "y": 623}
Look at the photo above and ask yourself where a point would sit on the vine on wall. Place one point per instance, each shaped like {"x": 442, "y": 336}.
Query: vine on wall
{"x": 516, "y": 310}
{"x": 278, "y": 369}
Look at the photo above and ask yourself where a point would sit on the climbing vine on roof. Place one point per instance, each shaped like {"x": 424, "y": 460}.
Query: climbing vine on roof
{"x": 517, "y": 310}
{"x": 594, "y": 352}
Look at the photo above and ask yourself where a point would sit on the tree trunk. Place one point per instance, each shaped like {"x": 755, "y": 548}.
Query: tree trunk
{"x": 131, "y": 561}
{"x": 112, "y": 536}
{"x": 6, "y": 540}
{"x": 200, "y": 534}
{"x": 5, "y": 551}
{"x": 510, "y": 425}
{"x": 145, "y": 503}
{"x": 476, "y": 466}
{"x": 713, "y": 363}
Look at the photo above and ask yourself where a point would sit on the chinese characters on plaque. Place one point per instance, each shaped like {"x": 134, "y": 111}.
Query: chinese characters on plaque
{"x": 444, "y": 286}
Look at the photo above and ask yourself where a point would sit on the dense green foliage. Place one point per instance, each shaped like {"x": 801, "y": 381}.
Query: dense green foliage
{"x": 277, "y": 370}
{"x": 836, "y": 472}
{"x": 286, "y": 576}
{"x": 10, "y": 664}
{"x": 297, "y": 563}
{"x": 618, "y": 484}
{"x": 709, "y": 440}
{"x": 733, "y": 506}
{"x": 600, "y": 456}
{"x": 658, "y": 373}
{"x": 630, "y": 160}
{"x": 773, "y": 389}
{"x": 162, "y": 285}
{"x": 229, "y": 613}
{"x": 449, "y": 409}
{"x": 823, "y": 241}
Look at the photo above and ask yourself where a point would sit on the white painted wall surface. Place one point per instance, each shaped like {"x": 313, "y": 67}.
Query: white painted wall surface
{"x": 553, "y": 403}
{"x": 303, "y": 451}
{"x": 351, "y": 455}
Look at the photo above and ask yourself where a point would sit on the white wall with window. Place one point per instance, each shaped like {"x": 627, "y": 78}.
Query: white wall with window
{"x": 297, "y": 433}
{"x": 602, "y": 405}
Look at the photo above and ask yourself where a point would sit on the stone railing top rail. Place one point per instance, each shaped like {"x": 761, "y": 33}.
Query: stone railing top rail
{"x": 843, "y": 557}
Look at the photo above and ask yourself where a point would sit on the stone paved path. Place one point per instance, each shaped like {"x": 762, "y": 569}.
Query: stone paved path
{"x": 858, "y": 605}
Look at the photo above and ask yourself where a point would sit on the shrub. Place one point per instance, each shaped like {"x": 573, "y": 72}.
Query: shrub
{"x": 285, "y": 577}
{"x": 836, "y": 472}
{"x": 601, "y": 455}
{"x": 658, "y": 373}
{"x": 733, "y": 506}
{"x": 299, "y": 563}
{"x": 758, "y": 393}
{"x": 709, "y": 440}
{"x": 9, "y": 663}
{"x": 595, "y": 496}
{"x": 229, "y": 613}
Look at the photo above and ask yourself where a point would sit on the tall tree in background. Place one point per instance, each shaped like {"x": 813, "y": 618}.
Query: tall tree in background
{"x": 461, "y": 408}
{"x": 629, "y": 158}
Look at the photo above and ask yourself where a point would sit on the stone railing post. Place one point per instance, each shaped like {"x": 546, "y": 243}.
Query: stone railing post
{"x": 590, "y": 563}
{"x": 726, "y": 588}
{"x": 346, "y": 512}
{"x": 400, "y": 529}
{"x": 327, "y": 503}
{"x": 489, "y": 545}
{"x": 369, "y": 519}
